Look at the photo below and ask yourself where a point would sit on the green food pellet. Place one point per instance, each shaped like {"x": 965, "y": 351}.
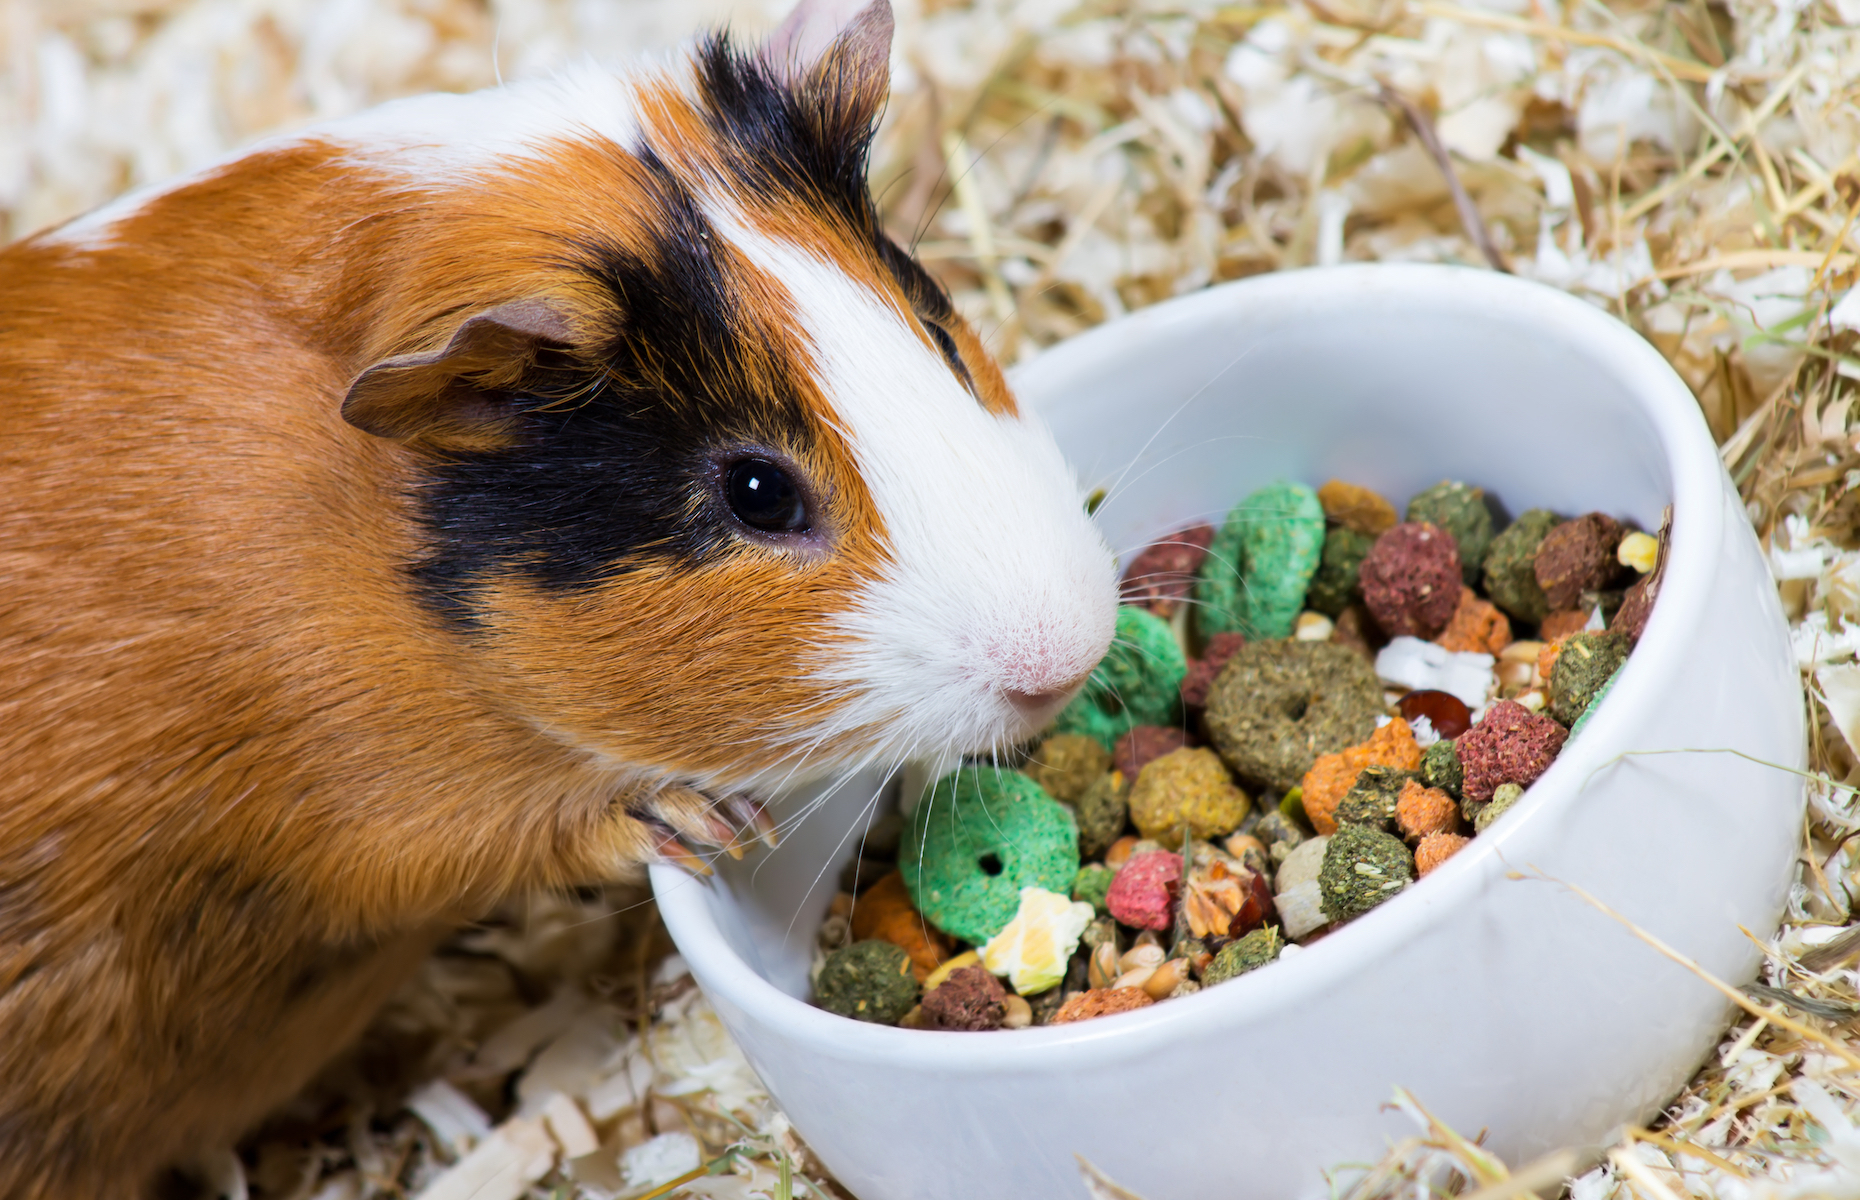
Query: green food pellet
{"x": 867, "y": 981}
{"x": 1292, "y": 806}
{"x": 1583, "y": 666}
{"x": 1503, "y": 797}
{"x": 1371, "y": 799}
{"x": 1595, "y": 702}
{"x": 1440, "y": 768}
{"x": 1362, "y": 868}
{"x": 1459, "y": 509}
{"x": 1261, "y": 562}
{"x": 1511, "y": 566}
{"x": 1249, "y": 953}
{"x": 980, "y": 836}
{"x": 1093, "y": 884}
{"x": 1102, "y": 813}
{"x": 1139, "y": 682}
{"x": 1335, "y": 586}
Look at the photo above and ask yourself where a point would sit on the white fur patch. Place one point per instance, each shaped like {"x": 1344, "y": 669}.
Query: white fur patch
{"x": 998, "y": 580}
{"x": 442, "y": 138}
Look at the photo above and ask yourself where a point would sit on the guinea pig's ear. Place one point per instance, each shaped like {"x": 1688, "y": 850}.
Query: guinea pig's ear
{"x": 454, "y": 398}
{"x": 842, "y": 45}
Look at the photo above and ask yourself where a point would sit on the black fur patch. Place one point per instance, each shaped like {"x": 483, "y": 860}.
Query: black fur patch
{"x": 811, "y": 149}
{"x": 785, "y": 146}
{"x": 614, "y": 467}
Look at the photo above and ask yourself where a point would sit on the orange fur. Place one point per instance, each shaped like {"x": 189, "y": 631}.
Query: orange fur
{"x": 248, "y": 779}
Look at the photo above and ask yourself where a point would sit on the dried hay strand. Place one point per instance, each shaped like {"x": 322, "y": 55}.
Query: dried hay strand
{"x": 1691, "y": 165}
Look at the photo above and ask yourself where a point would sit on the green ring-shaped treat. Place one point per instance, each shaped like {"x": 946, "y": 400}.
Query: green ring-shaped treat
{"x": 980, "y": 836}
{"x": 1256, "y": 573}
{"x": 1139, "y": 682}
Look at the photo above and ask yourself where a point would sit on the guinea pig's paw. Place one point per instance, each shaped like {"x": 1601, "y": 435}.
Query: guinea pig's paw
{"x": 676, "y": 813}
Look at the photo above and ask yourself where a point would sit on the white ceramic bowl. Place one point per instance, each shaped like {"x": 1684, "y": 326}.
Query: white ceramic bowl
{"x": 1501, "y": 1003}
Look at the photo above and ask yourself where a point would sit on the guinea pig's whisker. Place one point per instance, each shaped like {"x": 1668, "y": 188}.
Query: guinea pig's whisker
{"x": 1192, "y": 397}
{"x": 1118, "y": 489}
{"x": 863, "y": 823}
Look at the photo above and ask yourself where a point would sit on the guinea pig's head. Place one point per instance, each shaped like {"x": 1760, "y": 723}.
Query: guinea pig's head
{"x": 710, "y": 479}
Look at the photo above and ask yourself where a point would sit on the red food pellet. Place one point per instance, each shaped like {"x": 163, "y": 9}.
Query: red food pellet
{"x": 1446, "y": 712}
{"x": 1143, "y": 745}
{"x": 1143, "y": 894}
{"x": 1163, "y": 575}
{"x": 1201, "y": 671}
{"x": 1411, "y": 580}
{"x": 1511, "y": 745}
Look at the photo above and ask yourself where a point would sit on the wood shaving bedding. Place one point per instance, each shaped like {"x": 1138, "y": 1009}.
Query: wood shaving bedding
{"x": 1692, "y": 166}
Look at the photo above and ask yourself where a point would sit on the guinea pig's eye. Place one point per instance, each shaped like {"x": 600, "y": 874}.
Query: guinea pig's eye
{"x": 763, "y": 497}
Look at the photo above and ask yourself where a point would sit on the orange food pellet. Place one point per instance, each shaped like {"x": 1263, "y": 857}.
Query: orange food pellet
{"x": 884, "y": 911}
{"x": 1119, "y": 853}
{"x": 1330, "y": 777}
{"x": 1435, "y": 849}
{"x": 1421, "y": 811}
{"x": 1356, "y": 507}
{"x": 1477, "y": 627}
{"x": 1546, "y": 659}
{"x": 1101, "y": 1002}
{"x": 1559, "y": 625}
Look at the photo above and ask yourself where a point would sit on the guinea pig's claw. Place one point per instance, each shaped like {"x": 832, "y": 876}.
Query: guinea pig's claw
{"x": 754, "y": 816}
{"x": 673, "y": 850}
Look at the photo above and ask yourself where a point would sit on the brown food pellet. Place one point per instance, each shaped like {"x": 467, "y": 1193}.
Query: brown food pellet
{"x": 1356, "y": 507}
{"x": 885, "y": 912}
{"x": 1577, "y": 556}
{"x": 1120, "y": 851}
{"x": 1330, "y": 777}
{"x": 1559, "y": 625}
{"x": 1143, "y": 745}
{"x": 1636, "y": 607}
{"x": 1101, "y": 1003}
{"x": 1446, "y": 712}
{"x": 1411, "y": 580}
{"x": 1202, "y": 671}
{"x": 1163, "y": 575}
{"x": 1356, "y": 629}
{"x": 1421, "y": 811}
{"x": 1476, "y": 627}
{"x": 1511, "y": 745}
{"x": 1435, "y": 849}
{"x": 971, "y": 1000}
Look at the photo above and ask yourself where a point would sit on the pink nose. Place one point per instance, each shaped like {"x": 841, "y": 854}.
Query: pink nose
{"x": 1035, "y": 703}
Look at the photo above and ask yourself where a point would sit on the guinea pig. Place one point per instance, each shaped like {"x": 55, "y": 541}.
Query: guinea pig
{"x": 484, "y": 493}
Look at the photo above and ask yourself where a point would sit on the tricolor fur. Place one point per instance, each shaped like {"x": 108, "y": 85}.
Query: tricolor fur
{"x": 284, "y": 694}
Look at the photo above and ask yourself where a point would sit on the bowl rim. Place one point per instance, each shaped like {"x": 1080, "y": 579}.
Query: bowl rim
{"x": 1698, "y": 503}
